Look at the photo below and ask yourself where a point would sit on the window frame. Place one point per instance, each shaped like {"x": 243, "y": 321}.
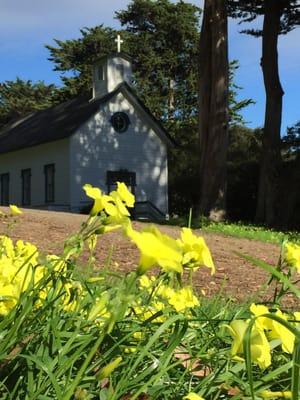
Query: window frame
{"x": 49, "y": 194}
{"x": 26, "y": 197}
{"x": 4, "y": 176}
{"x": 118, "y": 117}
{"x": 99, "y": 68}
{"x": 122, "y": 175}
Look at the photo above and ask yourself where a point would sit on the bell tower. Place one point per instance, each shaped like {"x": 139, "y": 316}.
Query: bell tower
{"x": 110, "y": 71}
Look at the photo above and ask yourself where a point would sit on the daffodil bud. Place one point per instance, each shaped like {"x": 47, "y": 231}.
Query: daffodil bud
{"x": 108, "y": 369}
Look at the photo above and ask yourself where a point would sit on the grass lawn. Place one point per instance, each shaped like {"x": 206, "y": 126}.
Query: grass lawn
{"x": 240, "y": 230}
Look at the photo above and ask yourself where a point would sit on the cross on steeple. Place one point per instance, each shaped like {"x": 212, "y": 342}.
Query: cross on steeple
{"x": 119, "y": 41}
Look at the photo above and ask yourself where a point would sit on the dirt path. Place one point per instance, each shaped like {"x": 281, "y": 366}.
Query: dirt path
{"x": 234, "y": 276}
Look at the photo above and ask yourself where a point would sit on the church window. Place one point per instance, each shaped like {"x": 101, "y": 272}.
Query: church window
{"x": 120, "y": 122}
{"x": 129, "y": 178}
{"x": 4, "y": 180}
{"x": 100, "y": 73}
{"x": 49, "y": 171}
{"x": 26, "y": 187}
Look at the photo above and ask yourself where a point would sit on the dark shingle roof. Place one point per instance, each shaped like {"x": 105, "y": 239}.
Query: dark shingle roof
{"x": 57, "y": 122}
{"x": 43, "y": 126}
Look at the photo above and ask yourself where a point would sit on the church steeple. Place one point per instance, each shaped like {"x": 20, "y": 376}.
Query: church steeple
{"x": 110, "y": 71}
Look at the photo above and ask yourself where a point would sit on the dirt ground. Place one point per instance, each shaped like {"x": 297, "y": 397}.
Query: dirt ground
{"x": 235, "y": 276}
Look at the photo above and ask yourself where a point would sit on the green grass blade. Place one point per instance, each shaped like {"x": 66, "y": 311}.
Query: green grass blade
{"x": 273, "y": 271}
{"x": 248, "y": 358}
{"x": 296, "y": 370}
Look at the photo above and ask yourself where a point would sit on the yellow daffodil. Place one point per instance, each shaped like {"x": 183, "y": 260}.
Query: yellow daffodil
{"x": 165, "y": 291}
{"x": 192, "y": 396}
{"x": 95, "y": 194}
{"x": 196, "y": 252}
{"x": 15, "y": 210}
{"x": 125, "y": 194}
{"x": 7, "y": 247}
{"x": 72, "y": 290}
{"x": 144, "y": 313}
{"x": 274, "y": 329}
{"x": 146, "y": 282}
{"x": 264, "y": 323}
{"x": 114, "y": 205}
{"x": 292, "y": 255}
{"x": 18, "y": 269}
{"x": 259, "y": 345}
{"x": 137, "y": 335}
{"x": 183, "y": 299}
{"x": 117, "y": 208}
{"x": 9, "y": 295}
{"x": 297, "y": 318}
{"x": 156, "y": 249}
{"x": 285, "y": 335}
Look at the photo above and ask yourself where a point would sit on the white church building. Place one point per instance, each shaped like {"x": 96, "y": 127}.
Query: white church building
{"x": 46, "y": 157}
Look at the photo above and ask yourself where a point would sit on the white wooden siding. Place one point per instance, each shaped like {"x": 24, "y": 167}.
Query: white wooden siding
{"x": 36, "y": 158}
{"x": 96, "y": 148}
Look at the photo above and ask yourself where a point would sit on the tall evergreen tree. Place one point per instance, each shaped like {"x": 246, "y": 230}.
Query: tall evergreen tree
{"x": 19, "y": 98}
{"x": 213, "y": 109}
{"x": 280, "y": 17}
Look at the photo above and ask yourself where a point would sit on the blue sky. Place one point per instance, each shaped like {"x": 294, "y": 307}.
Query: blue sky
{"x": 27, "y": 25}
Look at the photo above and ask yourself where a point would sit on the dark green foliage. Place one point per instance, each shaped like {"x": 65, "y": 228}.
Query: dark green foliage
{"x": 236, "y": 106}
{"x": 244, "y": 153}
{"x": 76, "y": 56}
{"x": 249, "y": 10}
{"x": 290, "y": 194}
{"x": 19, "y": 98}
{"x": 291, "y": 142}
{"x": 164, "y": 46}
{"x": 183, "y": 170}
{"x": 290, "y": 178}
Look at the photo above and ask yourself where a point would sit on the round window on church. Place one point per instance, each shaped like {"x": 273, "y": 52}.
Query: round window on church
{"x": 120, "y": 122}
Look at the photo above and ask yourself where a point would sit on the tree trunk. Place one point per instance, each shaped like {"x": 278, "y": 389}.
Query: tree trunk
{"x": 213, "y": 109}
{"x": 271, "y": 158}
{"x": 171, "y": 99}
